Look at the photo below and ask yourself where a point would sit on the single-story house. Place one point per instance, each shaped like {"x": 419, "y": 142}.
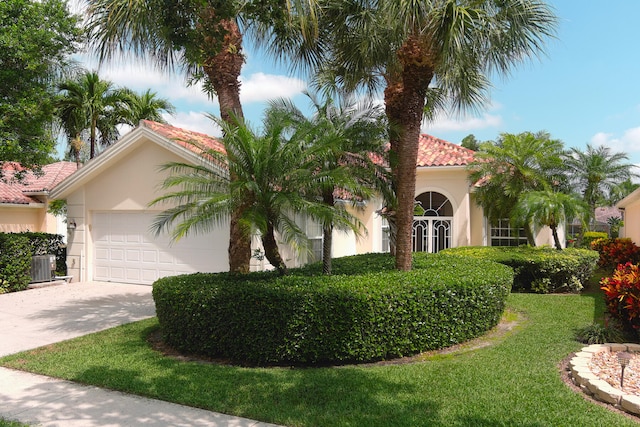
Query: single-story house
{"x": 108, "y": 202}
{"x": 24, "y": 203}
{"x": 630, "y": 206}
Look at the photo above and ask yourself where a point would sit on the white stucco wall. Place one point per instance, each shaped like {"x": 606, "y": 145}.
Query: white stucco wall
{"x": 19, "y": 218}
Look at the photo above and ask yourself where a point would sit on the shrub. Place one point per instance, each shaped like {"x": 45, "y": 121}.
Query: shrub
{"x": 15, "y": 263}
{"x": 48, "y": 244}
{"x": 595, "y": 333}
{"x": 366, "y": 312}
{"x": 616, "y": 251}
{"x": 540, "y": 269}
{"x": 590, "y": 236}
{"x": 622, "y": 294}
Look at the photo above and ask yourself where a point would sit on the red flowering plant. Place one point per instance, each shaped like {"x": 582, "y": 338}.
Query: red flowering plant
{"x": 622, "y": 294}
{"x": 616, "y": 251}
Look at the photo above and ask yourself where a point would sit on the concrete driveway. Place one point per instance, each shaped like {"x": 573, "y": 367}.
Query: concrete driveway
{"x": 42, "y": 316}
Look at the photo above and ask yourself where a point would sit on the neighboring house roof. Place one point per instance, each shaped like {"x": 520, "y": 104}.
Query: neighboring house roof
{"x": 23, "y": 192}
{"x": 433, "y": 151}
{"x": 604, "y": 213}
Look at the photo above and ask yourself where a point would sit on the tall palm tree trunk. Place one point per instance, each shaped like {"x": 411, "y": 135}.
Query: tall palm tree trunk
{"x": 223, "y": 71}
{"x": 556, "y": 239}
{"x": 271, "y": 251}
{"x": 404, "y": 102}
{"x": 92, "y": 138}
{"x": 327, "y": 234}
{"x": 327, "y": 242}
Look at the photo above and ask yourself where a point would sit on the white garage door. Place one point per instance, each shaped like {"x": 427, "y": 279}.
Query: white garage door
{"x": 126, "y": 251}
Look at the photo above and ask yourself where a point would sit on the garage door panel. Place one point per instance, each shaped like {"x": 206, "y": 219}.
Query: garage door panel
{"x": 149, "y": 256}
{"x": 116, "y": 254}
{"x": 133, "y": 274}
{"x": 133, "y": 255}
{"x": 116, "y": 274}
{"x": 126, "y": 250}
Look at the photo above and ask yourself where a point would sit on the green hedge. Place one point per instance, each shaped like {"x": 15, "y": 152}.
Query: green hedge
{"x": 13, "y": 257}
{"x": 539, "y": 269}
{"x": 365, "y": 312}
{"x": 15, "y": 263}
{"x": 48, "y": 244}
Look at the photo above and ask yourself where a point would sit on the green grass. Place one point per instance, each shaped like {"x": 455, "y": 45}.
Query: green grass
{"x": 513, "y": 382}
{"x": 6, "y": 423}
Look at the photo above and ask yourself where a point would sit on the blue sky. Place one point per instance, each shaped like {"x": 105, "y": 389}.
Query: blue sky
{"x": 584, "y": 90}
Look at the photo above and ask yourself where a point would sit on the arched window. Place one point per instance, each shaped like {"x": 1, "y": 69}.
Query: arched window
{"x": 432, "y": 222}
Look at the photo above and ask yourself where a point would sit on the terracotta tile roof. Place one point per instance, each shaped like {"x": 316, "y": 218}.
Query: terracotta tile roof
{"x": 12, "y": 191}
{"x": 438, "y": 152}
{"x": 193, "y": 141}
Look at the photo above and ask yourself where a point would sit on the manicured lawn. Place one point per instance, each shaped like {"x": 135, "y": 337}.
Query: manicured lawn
{"x": 513, "y": 382}
{"x": 6, "y": 423}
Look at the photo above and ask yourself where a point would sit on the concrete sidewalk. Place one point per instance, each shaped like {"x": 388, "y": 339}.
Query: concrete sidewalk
{"x": 49, "y": 402}
{"x": 42, "y": 316}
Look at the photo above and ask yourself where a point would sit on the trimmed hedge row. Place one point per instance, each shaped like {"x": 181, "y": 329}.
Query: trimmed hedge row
{"x": 365, "y": 313}
{"x": 48, "y": 244}
{"x": 539, "y": 269}
{"x": 16, "y": 250}
{"x": 15, "y": 262}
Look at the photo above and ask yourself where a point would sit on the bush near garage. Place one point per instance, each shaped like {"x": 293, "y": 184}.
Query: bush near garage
{"x": 539, "y": 269}
{"x": 15, "y": 262}
{"x": 616, "y": 251}
{"x": 12, "y": 274}
{"x": 49, "y": 244}
{"x": 367, "y": 311}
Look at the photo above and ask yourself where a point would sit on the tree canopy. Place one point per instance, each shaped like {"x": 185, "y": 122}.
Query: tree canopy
{"x": 36, "y": 39}
{"x": 427, "y": 55}
{"x": 505, "y": 170}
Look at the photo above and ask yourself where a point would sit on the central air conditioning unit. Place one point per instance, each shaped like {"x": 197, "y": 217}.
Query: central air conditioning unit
{"x": 43, "y": 268}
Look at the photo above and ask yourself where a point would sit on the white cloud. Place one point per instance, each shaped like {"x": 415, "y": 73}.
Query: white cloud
{"x": 466, "y": 124}
{"x": 629, "y": 142}
{"x": 261, "y": 87}
{"x": 194, "y": 121}
{"x": 257, "y": 87}
{"x": 140, "y": 77}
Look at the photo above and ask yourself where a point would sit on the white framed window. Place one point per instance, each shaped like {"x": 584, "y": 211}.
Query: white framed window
{"x": 502, "y": 234}
{"x": 314, "y": 233}
{"x": 385, "y": 244}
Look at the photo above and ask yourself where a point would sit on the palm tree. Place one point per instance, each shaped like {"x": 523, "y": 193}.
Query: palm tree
{"x": 201, "y": 36}
{"x": 345, "y": 138}
{"x": 620, "y": 191}
{"x": 596, "y": 172}
{"x": 512, "y": 166}
{"x": 147, "y": 106}
{"x": 428, "y": 55}
{"x": 549, "y": 208}
{"x": 88, "y": 103}
{"x": 273, "y": 173}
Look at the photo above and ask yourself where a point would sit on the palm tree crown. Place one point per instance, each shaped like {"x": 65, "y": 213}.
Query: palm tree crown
{"x": 596, "y": 172}
{"x": 514, "y": 165}
{"x": 344, "y": 137}
{"x": 274, "y": 172}
{"x": 88, "y": 103}
{"x": 428, "y": 55}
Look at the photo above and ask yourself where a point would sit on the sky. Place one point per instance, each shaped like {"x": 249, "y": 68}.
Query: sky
{"x": 583, "y": 90}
